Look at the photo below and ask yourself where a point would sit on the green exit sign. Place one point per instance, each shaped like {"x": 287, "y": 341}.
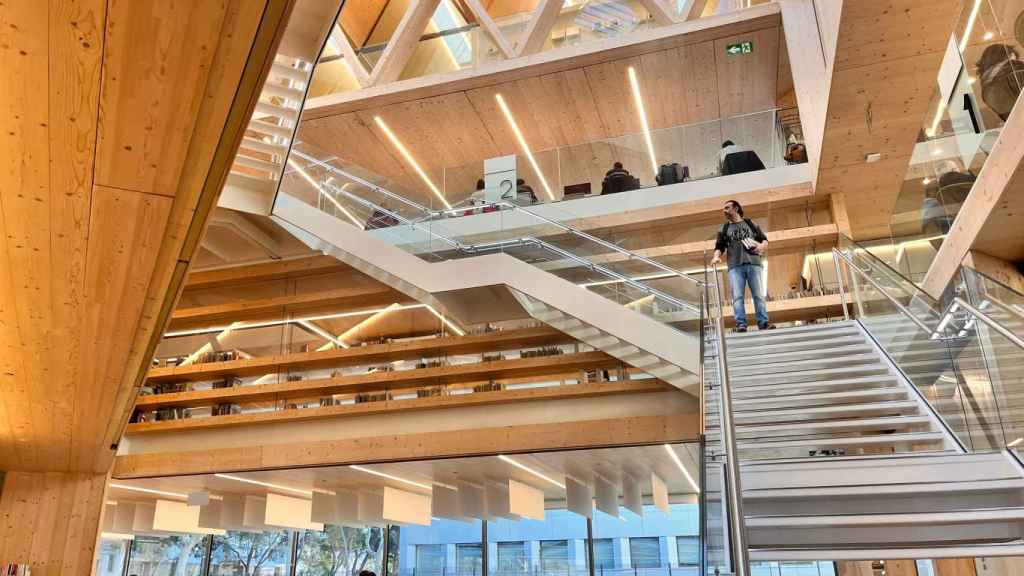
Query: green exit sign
{"x": 739, "y": 48}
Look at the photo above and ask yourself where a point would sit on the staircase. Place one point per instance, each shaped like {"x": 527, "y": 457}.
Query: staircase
{"x": 496, "y": 287}
{"x": 841, "y": 458}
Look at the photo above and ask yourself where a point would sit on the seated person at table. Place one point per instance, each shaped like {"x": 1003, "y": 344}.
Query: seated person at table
{"x": 734, "y": 159}
{"x": 524, "y": 193}
{"x": 618, "y": 179}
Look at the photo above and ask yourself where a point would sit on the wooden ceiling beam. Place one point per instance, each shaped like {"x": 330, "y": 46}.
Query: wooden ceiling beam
{"x": 537, "y": 29}
{"x": 490, "y": 27}
{"x": 352, "y": 60}
{"x": 403, "y": 42}
{"x": 661, "y": 14}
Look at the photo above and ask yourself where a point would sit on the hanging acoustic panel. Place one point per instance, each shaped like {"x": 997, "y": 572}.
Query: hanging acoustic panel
{"x": 254, "y": 512}
{"x": 346, "y": 506}
{"x": 406, "y": 507}
{"x": 496, "y": 496}
{"x": 143, "y": 520}
{"x": 607, "y": 496}
{"x": 444, "y": 503}
{"x": 170, "y": 516}
{"x": 324, "y": 508}
{"x": 211, "y": 515}
{"x": 659, "y": 493}
{"x": 525, "y": 501}
{"x": 289, "y": 512}
{"x": 123, "y": 518}
{"x": 471, "y": 501}
{"x": 371, "y": 508}
{"x": 632, "y": 498}
{"x": 579, "y": 498}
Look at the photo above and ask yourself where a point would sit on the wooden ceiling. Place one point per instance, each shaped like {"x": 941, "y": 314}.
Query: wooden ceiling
{"x": 693, "y": 81}
{"x": 117, "y": 125}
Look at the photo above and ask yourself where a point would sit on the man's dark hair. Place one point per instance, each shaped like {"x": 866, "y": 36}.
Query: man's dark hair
{"x": 617, "y": 165}
{"x": 728, "y": 143}
{"x": 520, "y": 181}
{"x": 480, "y": 184}
{"x": 736, "y": 206}
{"x": 367, "y": 573}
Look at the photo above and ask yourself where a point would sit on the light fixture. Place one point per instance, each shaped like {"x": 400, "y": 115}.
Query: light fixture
{"x": 362, "y": 324}
{"x": 926, "y": 181}
{"x": 522, "y": 144}
{"x": 679, "y": 463}
{"x": 970, "y": 24}
{"x": 280, "y": 322}
{"x": 390, "y": 477}
{"x": 208, "y": 347}
{"x": 321, "y": 333}
{"x": 937, "y": 152}
{"x": 1015, "y": 442}
{"x": 638, "y": 101}
{"x": 149, "y": 491}
{"x": 971, "y": 79}
{"x": 451, "y": 326}
{"x": 265, "y": 484}
{"x": 988, "y": 35}
{"x": 410, "y": 160}
{"x": 526, "y": 468}
{"x": 323, "y": 193}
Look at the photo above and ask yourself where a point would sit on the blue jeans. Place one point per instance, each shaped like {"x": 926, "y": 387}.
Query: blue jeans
{"x": 740, "y": 277}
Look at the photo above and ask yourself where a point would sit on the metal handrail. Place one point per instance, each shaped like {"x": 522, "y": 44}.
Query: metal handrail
{"x": 989, "y": 321}
{"x": 733, "y": 487}
{"x": 849, "y": 262}
{"x": 508, "y": 205}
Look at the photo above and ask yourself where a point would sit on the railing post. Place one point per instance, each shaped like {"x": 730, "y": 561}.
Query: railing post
{"x": 732, "y": 484}
{"x": 839, "y": 280}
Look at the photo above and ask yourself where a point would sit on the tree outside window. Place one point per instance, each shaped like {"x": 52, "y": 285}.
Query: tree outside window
{"x": 340, "y": 551}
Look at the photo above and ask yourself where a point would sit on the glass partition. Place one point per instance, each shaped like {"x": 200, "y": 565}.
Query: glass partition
{"x": 171, "y": 555}
{"x": 340, "y": 551}
{"x": 252, "y": 554}
{"x": 110, "y": 557}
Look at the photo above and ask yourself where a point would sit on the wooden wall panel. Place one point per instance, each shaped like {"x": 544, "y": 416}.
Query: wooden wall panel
{"x": 359, "y": 18}
{"x": 50, "y": 520}
{"x": 955, "y": 567}
{"x": 747, "y": 82}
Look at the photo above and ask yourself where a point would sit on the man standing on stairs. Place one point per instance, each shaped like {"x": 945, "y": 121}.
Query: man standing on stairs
{"x": 745, "y": 243}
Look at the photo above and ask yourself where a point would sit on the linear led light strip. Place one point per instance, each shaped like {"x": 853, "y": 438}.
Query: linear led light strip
{"x": 265, "y": 484}
{"x": 642, "y": 112}
{"x": 390, "y": 477}
{"x": 679, "y": 463}
{"x": 522, "y": 144}
{"x": 412, "y": 161}
{"x": 526, "y": 468}
{"x": 280, "y": 322}
{"x": 322, "y": 333}
{"x": 149, "y": 491}
{"x": 963, "y": 45}
{"x": 359, "y": 326}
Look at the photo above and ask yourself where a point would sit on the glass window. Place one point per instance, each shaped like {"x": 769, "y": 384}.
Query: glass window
{"x": 110, "y": 557}
{"x": 340, "y": 551}
{"x": 512, "y": 558}
{"x": 429, "y": 559}
{"x": 178, "y": 555}
{"x": 688, "y": 550}
{"x": 554, "y": 555}
{"x": 645, "y": 552}
{"x": 604, "y": 553}
{"x": 468, "y": 559}
{"x": 251, "y": 554}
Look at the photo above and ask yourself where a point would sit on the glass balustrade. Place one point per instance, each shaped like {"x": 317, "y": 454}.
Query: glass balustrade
{"x": 971, "y": 373}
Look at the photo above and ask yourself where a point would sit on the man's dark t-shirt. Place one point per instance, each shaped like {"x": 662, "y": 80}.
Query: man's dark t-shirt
{"x": 730, "y": 240}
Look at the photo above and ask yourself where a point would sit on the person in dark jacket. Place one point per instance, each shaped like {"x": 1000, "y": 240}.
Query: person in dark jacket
{"x": 735, "y": 159}
{"x": 1001, "y": 74}
{"x": 744, "y": 244}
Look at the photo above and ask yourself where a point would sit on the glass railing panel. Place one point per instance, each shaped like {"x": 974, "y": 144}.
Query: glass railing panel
{"x": 889, "y": 279}
{"x": 1000, "y": 302}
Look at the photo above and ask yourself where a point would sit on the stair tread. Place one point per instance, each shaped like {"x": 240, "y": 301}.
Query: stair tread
{"x": 838, "y": 442}
{"x": 874, "y": 490}
{"x": 942, "y": 516}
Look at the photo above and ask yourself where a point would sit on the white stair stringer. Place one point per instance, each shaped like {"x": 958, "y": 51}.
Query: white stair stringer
{"x": 496, "y": 287}
{"x": 608, "y": 343}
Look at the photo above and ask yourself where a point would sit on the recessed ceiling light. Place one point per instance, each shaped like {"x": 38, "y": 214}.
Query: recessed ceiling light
{"x": 988, "y": 35}
{"x": 679, "y": 463}
{"x": 873, "y": 157}
{"x": 391, "y": 477}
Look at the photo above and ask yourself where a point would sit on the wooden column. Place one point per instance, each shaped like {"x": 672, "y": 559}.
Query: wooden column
{"x": 50, "y": 520}
{"x": 955, "y": 567}
{"x": 996, "y": 268}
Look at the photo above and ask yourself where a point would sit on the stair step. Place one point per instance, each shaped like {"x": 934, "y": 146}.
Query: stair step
{"x": 879, "y": 490}
{"x": 770, "y": 355}
{"x": 828, "y": 411}
{"x": 796, "y": 334}
{"x": 251, "y": 183}
{"x": 279, "y": 91}
{"x": 775, "y": 390}
{"x": 267, "y": 109}
{"x": 270, "y": 128}
{"x": 923, "y": 552}
{"x": 894, "y": 519}
{"x": 740, "y": 382}
{"x": 845, "y": 442}
{"x": 891, "y": 392}
{"x": 261, "y": 146}
{"x": 739, "y": 369}
{"x": 289, "y": 72}
{"x": 830, "y": 426}
{"x": 257, "y": 164}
